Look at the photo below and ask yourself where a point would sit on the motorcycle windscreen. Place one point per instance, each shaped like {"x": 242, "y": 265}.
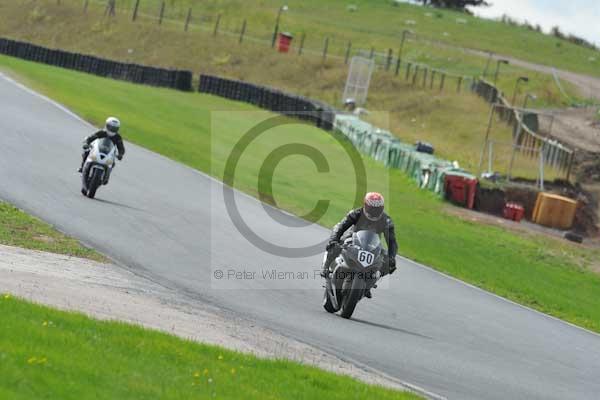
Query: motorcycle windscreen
{"x": 105, "y": 145}
{"x": 367, "y": 240}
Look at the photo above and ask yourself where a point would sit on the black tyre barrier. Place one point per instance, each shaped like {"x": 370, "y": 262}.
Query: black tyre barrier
{"x": 321, "y": 114}
{"x": 174, "y": 79}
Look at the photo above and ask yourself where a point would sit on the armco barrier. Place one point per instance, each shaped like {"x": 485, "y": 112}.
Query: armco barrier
{"x": 174, "y": 79}
{"x": 321, "y": 114}
{"x": 427, "y": 170}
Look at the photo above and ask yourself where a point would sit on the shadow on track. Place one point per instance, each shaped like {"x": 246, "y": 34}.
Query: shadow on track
{"x": 114, "y": 203}
{"x": 391, "y": 328}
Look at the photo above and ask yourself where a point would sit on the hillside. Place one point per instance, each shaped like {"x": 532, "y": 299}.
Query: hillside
{"x": 380, "y": 23}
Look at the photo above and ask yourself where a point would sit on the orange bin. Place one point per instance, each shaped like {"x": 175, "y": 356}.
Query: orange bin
{"x": 554, "y": 211}
{"x": 285, "y": 40}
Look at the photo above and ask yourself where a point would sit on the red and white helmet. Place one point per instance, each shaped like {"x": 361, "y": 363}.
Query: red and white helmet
{"x": 373, "y": 206}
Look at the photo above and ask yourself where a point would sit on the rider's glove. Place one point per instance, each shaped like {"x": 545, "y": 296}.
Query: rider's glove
{"x": 120, "y": 157}
{"x": 392, "y": 265}
{"x": 331, "y": 245}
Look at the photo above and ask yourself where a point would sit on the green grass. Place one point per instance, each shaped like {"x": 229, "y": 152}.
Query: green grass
{"x": 22, "y": 230}
{"x": 550, "y": 275}
{"x": 454, "y": 123}
{"x": 51, "y": 354}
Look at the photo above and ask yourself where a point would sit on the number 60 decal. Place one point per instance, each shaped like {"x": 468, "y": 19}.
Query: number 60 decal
{"x": 365, "y": 258}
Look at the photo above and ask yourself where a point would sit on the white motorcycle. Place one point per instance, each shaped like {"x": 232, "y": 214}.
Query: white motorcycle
{"x": 98, "y": 166}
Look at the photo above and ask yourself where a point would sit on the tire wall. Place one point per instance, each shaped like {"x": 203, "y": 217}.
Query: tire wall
{"x": 135, "y": 73}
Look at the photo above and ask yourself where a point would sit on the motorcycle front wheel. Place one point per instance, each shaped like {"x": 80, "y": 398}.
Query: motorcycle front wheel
{"x": 327, "y": 304}
{"x": 351, "y": 297}
{"x": 94, "y": 183}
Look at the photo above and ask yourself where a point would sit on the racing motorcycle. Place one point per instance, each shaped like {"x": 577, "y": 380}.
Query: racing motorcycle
{"x": 98, "y": 166}
{"x": 357, "y": 269}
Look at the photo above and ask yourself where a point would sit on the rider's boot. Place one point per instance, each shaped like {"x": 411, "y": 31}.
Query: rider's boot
{"x": 368, "y": 294}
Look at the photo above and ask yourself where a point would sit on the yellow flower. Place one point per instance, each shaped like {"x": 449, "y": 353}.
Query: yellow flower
{"x": 205, "y": 372}
{"x": 232, "y": 371}
{"x": 220, "y": 357}
{"x": 42, "y": 361}
{"x": 45, "y": 323}
{"x": 196, "y": 374}
{"x": 32, "y": 360}
{"x": 7, "y": 296}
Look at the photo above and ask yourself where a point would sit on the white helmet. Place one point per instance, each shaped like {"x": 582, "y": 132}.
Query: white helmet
{"x": 112, "y": 126}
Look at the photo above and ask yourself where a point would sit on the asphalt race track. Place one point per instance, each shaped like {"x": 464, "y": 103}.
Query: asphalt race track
{"x": 169, "y": 222}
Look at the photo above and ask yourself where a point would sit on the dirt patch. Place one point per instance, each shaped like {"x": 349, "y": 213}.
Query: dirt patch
{"x": 577, "y": 127}
{"x": 44, "y": 238}
{"x": 492, "y": 200}
{"x": 524, "y": 195}
{"x": 111, "y": 293}
{"x": 523, "y": 227}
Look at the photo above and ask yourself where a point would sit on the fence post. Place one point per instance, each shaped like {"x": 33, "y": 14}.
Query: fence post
{"x": 372, "y": 52}
{"x": 188, "y": 19}
{"x": 514, "y": 152}
{"x": 408, "y": 68}
{"x": 388, "y": 63}
{"x": 442, "y": 81}
{"x": 243, "y": 31}
{"x": 301, "y": 44}
{"x": 217, "y": 22}
{"x": 162, "y": 13}
{"x": 135, "y": 10}
{"x": 425, "y": 77}
{"x": 325, "y": 48}
{"x": 487, "y": 138}
{"x": 85, "y": 6}
{"x": 348, "y": 49}
{"x": 110, "y": 8}
{"x": 459, "y": 86}
{"x": 570, "y": 167}
{"x": 433, "y": 72}
{"x": 416, "y": 75}
{"x": 398, "y": 66}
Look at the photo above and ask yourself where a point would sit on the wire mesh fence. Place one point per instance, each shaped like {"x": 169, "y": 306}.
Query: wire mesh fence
{"x": 189, "y": 16}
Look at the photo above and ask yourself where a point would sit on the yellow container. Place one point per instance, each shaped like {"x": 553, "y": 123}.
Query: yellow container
{"x": 554, "y": 211}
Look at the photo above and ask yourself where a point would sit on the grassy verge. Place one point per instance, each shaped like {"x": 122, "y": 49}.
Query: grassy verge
{"x": 550, "y": 275}
{"x": 52, "y": 354}
{"x": 455, "y": 123}
{"x": 22, "y": 230}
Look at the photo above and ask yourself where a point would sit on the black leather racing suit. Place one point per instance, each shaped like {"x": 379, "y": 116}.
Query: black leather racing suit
{"x": 101, "y": 134}
{"x": 356, "y": 221}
